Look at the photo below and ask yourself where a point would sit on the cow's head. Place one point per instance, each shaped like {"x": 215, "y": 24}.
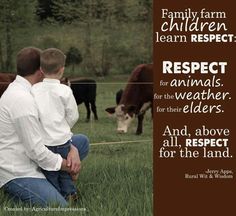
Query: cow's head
{"x": 124, "y": 115}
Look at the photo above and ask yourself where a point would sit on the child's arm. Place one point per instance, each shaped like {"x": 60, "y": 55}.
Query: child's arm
{"x": 71, "y": 110}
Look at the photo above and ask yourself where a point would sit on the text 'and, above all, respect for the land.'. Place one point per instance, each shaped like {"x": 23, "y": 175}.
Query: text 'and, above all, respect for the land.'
{"x": 199, "y": 142}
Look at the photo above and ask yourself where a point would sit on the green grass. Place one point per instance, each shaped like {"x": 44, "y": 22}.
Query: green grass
{"x": 115, "y": 179}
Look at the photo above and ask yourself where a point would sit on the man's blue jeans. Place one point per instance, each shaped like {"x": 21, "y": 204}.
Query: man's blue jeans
{"x": 35, "y": 191}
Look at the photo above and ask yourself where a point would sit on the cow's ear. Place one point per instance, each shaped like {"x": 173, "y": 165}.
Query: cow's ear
{"x": 131, "y": 109}
{"x": 110, "y": 110}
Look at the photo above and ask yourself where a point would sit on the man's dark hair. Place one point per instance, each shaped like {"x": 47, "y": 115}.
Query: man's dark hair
{"x": 28, "y": 61}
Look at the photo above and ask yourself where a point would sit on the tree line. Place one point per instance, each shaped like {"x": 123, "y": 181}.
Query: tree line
{"x": 76, "y": 10}
{"x": 18, "y": 16}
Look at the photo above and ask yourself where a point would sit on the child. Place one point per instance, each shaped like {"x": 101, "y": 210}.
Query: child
{"x": 58, "y": 112}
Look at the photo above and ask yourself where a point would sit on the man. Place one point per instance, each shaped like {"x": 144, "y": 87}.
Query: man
{"x": 22, "y": 149}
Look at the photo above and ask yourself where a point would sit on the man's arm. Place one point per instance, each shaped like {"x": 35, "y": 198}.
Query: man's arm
{"x": 28, "y": 130}
{"x": 29, "y": 133}
{"x": 73, "y": 163}
{"x": 73, "y": 160}
{"x": 64, "y": 166}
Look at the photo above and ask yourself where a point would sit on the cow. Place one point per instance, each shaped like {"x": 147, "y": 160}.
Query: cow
{"x": 84, "y": 91}
{"x": 136, "y": 99}
{"x": 7, "y": 77}
{"x": 5, "y": 80}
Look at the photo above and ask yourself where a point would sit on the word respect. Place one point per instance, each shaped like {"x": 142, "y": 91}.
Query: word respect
{"x": 169, "y": 67}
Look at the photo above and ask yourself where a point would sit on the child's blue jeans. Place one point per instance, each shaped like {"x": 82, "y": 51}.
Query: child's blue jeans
{"x": 61, "y": 180}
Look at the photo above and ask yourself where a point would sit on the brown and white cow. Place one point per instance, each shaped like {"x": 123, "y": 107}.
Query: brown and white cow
{"x": 136, "y": 99}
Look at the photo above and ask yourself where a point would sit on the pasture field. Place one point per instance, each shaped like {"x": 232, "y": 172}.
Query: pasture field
{"x": 116, "y": 179}
{"x": 117, "y": 48}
